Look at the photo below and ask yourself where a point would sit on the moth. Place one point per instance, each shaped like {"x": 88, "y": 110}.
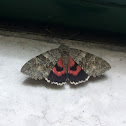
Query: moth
{"x": 65, "y": 64}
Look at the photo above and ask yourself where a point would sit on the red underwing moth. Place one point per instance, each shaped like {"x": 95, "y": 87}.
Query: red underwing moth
{"x": 65, "y": 63}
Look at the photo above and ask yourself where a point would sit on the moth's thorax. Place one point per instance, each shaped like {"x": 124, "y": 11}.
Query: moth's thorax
{"x": 64, "y": 50}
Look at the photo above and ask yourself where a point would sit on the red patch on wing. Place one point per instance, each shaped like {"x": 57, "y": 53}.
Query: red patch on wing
{"x": 70, "y": 65}
{"x": 60, "y": 64}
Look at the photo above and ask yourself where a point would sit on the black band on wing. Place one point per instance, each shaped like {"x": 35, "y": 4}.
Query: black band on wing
{"x": 81, "y": 76}
{"x": 74, "y": 68}
{"x": 58, "y": 68}
{"x": 54, "y": 78}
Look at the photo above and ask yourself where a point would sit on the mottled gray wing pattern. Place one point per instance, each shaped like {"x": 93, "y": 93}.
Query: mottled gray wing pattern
{"x": 91, "y": 64}
{"x": 40, "y": 66}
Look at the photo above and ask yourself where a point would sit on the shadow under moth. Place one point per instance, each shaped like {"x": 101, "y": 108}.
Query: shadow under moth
{"x": 65, "y": 63}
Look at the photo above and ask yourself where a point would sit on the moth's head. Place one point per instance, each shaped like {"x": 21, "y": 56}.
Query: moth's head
{"x": 64, "y": 49}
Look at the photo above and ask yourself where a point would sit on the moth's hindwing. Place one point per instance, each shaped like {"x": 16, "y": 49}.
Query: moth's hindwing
{"x": 91, "y": 64}
{"x": 76, "y": 74}
{"x": 57, "y": 74}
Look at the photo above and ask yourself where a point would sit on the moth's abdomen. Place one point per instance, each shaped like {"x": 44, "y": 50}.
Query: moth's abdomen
{"x": 65, "y": 59}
